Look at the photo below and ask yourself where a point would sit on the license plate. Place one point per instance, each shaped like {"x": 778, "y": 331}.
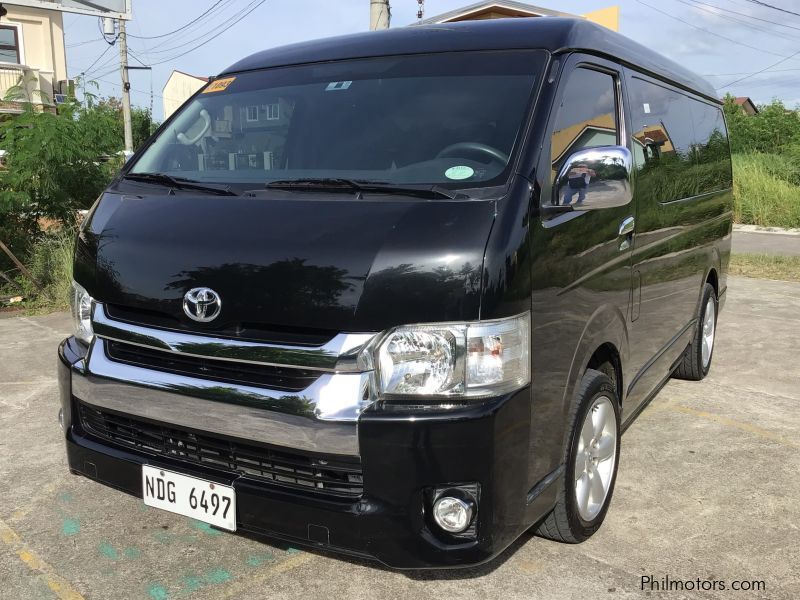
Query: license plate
{"x": 189, "y": 496}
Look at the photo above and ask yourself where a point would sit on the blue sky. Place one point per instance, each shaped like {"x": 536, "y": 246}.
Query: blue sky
{"x": 737, "y": 46}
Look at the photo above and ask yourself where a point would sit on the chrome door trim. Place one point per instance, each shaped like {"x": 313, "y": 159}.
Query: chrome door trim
{"x": 339, "y": 355}
{"x": 322, "y": 418}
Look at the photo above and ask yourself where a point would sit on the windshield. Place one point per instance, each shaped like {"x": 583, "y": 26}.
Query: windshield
{"x": 449, "y": 119}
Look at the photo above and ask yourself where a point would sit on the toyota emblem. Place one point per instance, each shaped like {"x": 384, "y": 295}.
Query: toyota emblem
{"x": 202, "y": 304}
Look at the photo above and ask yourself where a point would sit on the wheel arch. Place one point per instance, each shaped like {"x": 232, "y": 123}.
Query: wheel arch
{"x": 604, "y": 339}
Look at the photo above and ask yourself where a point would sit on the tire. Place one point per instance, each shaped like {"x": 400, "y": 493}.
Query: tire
{"x": 697, "y": 357}
{"x": 570, "y": 522}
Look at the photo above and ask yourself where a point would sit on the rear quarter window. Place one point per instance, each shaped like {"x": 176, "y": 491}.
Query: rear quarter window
{"x": 680, "y": 143}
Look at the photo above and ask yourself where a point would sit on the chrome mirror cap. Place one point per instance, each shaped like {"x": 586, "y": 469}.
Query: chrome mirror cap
{"x": 591, "y": 179}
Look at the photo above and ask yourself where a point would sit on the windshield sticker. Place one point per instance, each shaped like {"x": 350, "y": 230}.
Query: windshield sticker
{"x": 459, "y": 172}
{"x": 218, "y": 85}
{"x": 338, "y": 85}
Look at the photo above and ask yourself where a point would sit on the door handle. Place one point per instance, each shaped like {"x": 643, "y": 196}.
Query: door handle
{"x": 626, "y": 228}
{"x": 627, "y": 225}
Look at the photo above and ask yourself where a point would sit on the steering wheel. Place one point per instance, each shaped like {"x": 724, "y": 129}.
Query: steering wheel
{"x": 458, "y": 150}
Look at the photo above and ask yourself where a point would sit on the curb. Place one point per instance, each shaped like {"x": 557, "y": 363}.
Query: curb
{"x": 760, "y": 229}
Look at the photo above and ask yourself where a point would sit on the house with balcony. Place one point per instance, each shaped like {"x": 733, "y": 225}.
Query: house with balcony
{"x": 33, "y": 63}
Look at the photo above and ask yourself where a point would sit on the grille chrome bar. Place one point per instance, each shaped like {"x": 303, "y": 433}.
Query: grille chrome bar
{"x": 322, "y": 418}
{"x": 338, "y": 355}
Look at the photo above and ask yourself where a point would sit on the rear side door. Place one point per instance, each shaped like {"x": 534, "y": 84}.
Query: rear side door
{"x": 678, "y": 192}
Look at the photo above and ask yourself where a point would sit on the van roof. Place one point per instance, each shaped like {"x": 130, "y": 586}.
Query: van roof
{"x": 555, "y": 34}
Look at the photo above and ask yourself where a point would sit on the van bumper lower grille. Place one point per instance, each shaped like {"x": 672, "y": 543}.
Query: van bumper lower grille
{"x": 290, "y": 469}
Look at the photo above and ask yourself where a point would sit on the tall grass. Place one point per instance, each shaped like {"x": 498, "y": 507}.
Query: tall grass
{"x": 50, "y": 262}
{"x": 766, "y": 190}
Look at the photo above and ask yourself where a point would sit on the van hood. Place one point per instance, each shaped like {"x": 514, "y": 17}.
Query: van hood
{"x": 311, "y": 261}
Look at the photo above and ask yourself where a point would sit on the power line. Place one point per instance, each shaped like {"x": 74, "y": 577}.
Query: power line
{"x": 203, "y": 14}
{"x": 226, "y": 25}
{"x": 199, "y": 36}
{"x": 709, "y": 31}
{"x": 218, "y": 12}
{"x": 97, "y": 60}
{"x": 696, "y": 3}
{"x": 83, "y": 43}
{"x": 783, "y": 60}
{"x": 773, "y": 7}
{"x": 751, "y": 26}
{"x": 747, "y": 72}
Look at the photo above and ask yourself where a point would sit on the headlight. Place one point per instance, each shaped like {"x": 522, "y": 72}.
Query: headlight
{"x": 81, "y": 303}
{"x": 455, "y": 359}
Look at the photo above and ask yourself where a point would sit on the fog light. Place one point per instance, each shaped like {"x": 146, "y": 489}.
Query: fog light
{"x": 453, "y": 514}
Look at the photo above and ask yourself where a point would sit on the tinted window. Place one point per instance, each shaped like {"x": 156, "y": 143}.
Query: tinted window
{"x": 711, "y": 149}
{"x": 447, "y": 119}
{"x": 679, "y": 144}
{"x": 587, "y": 116}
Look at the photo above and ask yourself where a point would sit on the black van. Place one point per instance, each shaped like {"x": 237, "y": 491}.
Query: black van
{"x": 398, "y": 294}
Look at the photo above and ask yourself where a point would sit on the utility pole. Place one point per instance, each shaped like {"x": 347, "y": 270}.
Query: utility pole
{"x": 380, "y": 13}
{"x": 126, "y": 88}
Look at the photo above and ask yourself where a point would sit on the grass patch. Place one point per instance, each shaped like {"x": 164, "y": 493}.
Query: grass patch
{"x": 766, "y": 189}
{"x": 762, "y": 266}
{"x": 50, "y": 262}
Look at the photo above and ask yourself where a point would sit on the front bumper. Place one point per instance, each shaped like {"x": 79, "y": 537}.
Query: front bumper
{"x": 403, "y": 458}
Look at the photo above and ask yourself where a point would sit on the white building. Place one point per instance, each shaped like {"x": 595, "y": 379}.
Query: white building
{"x": 179, "y": 88}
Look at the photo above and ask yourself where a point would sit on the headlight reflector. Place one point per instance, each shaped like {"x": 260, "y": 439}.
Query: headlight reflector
{"x": 81, "y": 304}
{"x": 419, "y": 361}
{"x": 455, "y": 359}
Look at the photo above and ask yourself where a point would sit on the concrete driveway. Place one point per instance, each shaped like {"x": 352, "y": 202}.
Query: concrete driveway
{"x": 708, "y": 487}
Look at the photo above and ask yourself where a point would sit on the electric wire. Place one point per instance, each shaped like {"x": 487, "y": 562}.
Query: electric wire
{"x": 747, "y": 16}
{"x": 773, "y": 7}
{"x": 213, "y": 33}
{"x": 161, "y": 35}
{"x": 710, "y": 32}
{"x": 783, "y": 60}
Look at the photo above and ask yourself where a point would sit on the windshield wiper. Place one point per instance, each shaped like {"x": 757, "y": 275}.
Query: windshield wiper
{"x": 362, "y": 186}
{"x": 180, "y": 183}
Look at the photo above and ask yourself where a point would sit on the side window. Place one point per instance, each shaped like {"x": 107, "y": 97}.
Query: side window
{"x": 680, "y": 145}
{"x": 711, "y": 151}
{"x": 587, "y": 116}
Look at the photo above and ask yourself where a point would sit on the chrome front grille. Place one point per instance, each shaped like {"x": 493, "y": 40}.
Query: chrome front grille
{"x": 282, "y": 378}
{"x": 256, "y": 332}
{"x": 293, "y": 396}
{"x": 331, "y": 476}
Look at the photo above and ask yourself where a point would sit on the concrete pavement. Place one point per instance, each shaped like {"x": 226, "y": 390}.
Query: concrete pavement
{"x": 753, "y": 240}
{"x": 707, "y": 488}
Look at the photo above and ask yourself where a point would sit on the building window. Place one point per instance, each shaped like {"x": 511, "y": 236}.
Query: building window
{"x": 9, "y": 44}
{"x": 273, "y": 112}
{"x": 252, "y": 113}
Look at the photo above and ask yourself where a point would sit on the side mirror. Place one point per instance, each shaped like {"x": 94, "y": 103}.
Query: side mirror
{"x": 591, "y": 179}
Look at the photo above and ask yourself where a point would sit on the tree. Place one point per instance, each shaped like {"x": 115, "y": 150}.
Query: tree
{"x": 774, "y": 129}
{"x": 54, "y": 166}
{"x": 58, "y": 163}
{"x": 142, "y": 124}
